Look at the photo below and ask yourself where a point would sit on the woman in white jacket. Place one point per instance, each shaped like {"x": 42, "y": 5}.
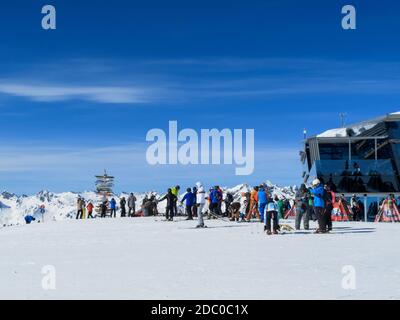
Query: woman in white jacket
{"x": 201, "y": 202}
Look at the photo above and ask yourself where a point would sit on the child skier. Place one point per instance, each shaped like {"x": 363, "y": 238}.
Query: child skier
{"x": 271, "y": 213}
{"x": 89, "y": 208}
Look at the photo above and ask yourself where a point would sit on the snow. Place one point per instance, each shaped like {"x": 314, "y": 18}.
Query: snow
{"x": 148, "y": 258}
{"x": 342, "y": 132}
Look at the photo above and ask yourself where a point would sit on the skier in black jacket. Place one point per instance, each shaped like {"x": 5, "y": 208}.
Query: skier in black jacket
{"x": 103, "y": 208}
{"x": 171, "y": 201}
{"x": 122, "y": 204}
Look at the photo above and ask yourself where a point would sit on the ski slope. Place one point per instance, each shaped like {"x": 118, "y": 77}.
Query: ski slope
{"x": 148, "y": 258}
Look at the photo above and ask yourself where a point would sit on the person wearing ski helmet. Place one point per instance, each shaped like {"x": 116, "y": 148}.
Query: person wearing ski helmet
{"x": 317, "y": 190}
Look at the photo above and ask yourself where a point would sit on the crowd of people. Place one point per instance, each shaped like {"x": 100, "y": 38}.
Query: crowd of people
{"x": 315, "y": 203}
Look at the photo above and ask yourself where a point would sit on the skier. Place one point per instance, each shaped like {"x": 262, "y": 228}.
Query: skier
{"x": 200, "y": 203}
{"x": 171, "y": 202}
{"x": 122, "y": 204}
{"x": 103, "y": 208}
{"x": 271, "y": 213}
{"x": 311, "y": 212}
{"x": 79, "y": 212}
{"x": 131, "y": 205}
{"x": 329, "y": 199}
{"x": 301, "y": 208}
{"x": 220, "y": 200}
{"x": 83, "y": 205}
{"x": 90, "y": 207}
{"x": 354, "y": 207}
{"x": 279, "y": 203}
{"x": 262, "y": 200}
{"x": 228, "y": 201}
{"x": 175, "y": 192}
{"x": 253, "y": 205}
{"x": 153, "y": 206}
{"x": 246, "y": 209}
{"x": 317, "y": 191}
{"x": 194, "y": 207}
{"x": 113, "y": 207}
{"x": 190, "y": 199}
{"x": 214, "y": 198}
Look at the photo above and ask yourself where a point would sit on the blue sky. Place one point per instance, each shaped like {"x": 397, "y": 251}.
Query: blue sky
{"x": 81, "y": 98}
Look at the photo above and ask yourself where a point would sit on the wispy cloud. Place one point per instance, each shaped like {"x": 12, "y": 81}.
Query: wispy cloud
{"x": 185, "y": 80}
{"x": 100, "y": 94}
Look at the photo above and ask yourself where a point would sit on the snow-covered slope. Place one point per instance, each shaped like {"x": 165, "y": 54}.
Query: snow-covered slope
{"x": 60, "y": 206}
{"x": 148, "y": 258}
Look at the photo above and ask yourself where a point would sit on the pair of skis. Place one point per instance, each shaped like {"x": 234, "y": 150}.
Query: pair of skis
{"x": 218, "y": 217}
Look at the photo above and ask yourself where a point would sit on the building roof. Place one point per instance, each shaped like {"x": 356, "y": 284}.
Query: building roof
{"x": 358, "y": 128}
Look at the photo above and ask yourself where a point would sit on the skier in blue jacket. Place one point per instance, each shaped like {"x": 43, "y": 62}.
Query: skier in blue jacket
{"x": 113, "y": 207}
{"x": 318, "y": 191}
{"x": 190, "y": 200}
{"x": 214, "y": 198}
{"x": 262, "y": 198}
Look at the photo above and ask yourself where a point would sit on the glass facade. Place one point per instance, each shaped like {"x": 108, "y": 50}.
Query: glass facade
{"x": 367, "y": 162}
